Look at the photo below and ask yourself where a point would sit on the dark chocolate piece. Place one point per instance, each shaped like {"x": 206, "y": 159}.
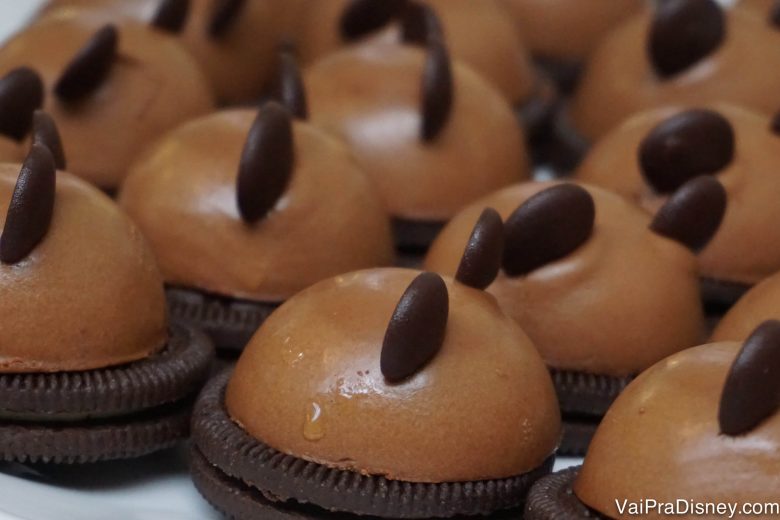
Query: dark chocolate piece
{"x": 547, "y": 227}
{"x": 420, "y": 24}
{"x": 174, "y": 373}
{"x": 437, "y": 90}
{"x": 362, "y": 17}
{"x": 774, "y": 125}
{"x": 21, "y": 93}
{"x": 171, "y": 15}
{"x": 684, "y": 32}
{"x": 224, "y": 15}
{"x": 416, "y": 331}
{"x": 45, "y": 133}
{"x": 32, "y": 205}
{"x": 266, "y": 163}
{"x": 752, "y": 390}
{"x": 689, "y": 144}
{"x": 90, "y": 67}
{"x": 481, "y": 260}
{"x": 774, "y": 14}
{"x": 301, "y": 488}
{"x": 289, "y": 89}
{"x": 693, "y": 214}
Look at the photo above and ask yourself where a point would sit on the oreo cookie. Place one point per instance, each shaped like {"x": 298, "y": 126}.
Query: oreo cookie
{"x": 229, "y": 322}
{"x": 552, "y": 498}
{"x": 112, "y": 413}
{"x": 244, "y": 478}
{"x": 720, "y": 295}
{"x": 584, "y": 399}
{"x": 412, "y": 239}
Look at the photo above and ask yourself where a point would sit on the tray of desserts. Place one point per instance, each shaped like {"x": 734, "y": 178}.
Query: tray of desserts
{"x": 389, "y": 259}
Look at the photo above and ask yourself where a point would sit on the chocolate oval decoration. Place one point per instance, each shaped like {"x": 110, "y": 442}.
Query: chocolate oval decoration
{"x": 416, "y": 331}
{"x": 547, "y": 227}
{"x": 224, "y": 14}
{"x": 693, "y": 214}
{"x": 362, "y": 17}
{"x": 21, "y": 93}
{"x": 420, "y": 24}
{"x": 774, "y": 125}
{"x": 171, "y": 15}
{"x": 45, "y": 133}
{"x": 752, "y": 390}
{"x": 437, "y": 90}
{"x": 32, "y": 205}
{"x": 689, "y": 144}
{"x": 683, "y": 32}
{"x": 266, "y": 162}
{"x": 289, "y": 89}
{"x": 481, "y": 260}
{"x": 90, "y": 67}
{"x": 774, "y": 14}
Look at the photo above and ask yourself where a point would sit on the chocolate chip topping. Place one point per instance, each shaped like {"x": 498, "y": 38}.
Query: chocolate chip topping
{"x": 171, "y": 15}
{"x": 689, "y": 144}
{"x": 482, "y": 258}
{"x": 362, "y": 17}
{"x": 693, "y": 214}
{"x": 774, "y": 125}
{"x": 683, "y": 32}
{"x": 547, "y": 227}
{"x": 420, "y": 24}
{"x": 437, "y": 90}
{"x": 289, "y": 89}
{"x": 223, "y": 15}
{"x": 266, "y": 162}
{"x": 90, "y": 67}
{"x": 45, "y": 133}
{"x": 32, "y": 204}
{"x": 752, "y": 390}
{"x": 774, "y": 14}
{"x": 416, "y": 331}
{"x": 21, "y": 93}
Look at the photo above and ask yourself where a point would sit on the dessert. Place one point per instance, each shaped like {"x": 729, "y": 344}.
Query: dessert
{"x": 89, "y": 368}
{"x": 759, "y": 304}
{"x": 654, "y": 152}
{"x": 684, "y": 52}
{"x": 21, "y": 93}
{"x": 431, "y": 133}
{"x": 109, "y": 88}
{"x": 603, "y": 290}
{"x": 245, "y": 208}
{"x": 562, "y": 33}
{"x": 701, "y": 427}
{"x": 388, "y": 393}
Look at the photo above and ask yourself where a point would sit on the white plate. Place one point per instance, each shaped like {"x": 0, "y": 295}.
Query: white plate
{"x": 157, "y": 487}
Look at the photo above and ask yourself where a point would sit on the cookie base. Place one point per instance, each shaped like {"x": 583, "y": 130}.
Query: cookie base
{"x": 552, "y": 498}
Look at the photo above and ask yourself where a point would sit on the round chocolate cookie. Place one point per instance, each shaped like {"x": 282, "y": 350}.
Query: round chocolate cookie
{"x": 266, "y": 483}
{"x": 552, "y": 498}
{"x": 80, "y": 417}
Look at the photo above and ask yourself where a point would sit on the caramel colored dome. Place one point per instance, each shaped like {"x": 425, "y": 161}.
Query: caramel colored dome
{"x": 760, "y": 303}
{"x": 479, "y": 34}
{"x": 567, "y": 29}
{"x": 88, "y": 296}
{"x": 183, "y": 196}
{"x": 619, "y": 80}
{"x": 619, "y": 303}
{"x": 152, "y": 86}
{"x": 661, "y": 439}
{"x": 370, "y": 96}
{"x": 309, "y": 384}
{"x": 750, "y": 179}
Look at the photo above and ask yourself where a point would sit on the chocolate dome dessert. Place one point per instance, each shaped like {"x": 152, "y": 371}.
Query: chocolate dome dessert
{"x": 112, "y": 89}
{"x": 244, "y": 209}
{"x": 561, "y": 34}
{"x": 701, "y": 426}
{"x": 431, "y": 134}
{"x": 603, "y": 290}
{"x": 684, "y": 52}
{"x": 388, "y": 392}
{"x": 89, "y": 368}
{"x": 653, "y": 153}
